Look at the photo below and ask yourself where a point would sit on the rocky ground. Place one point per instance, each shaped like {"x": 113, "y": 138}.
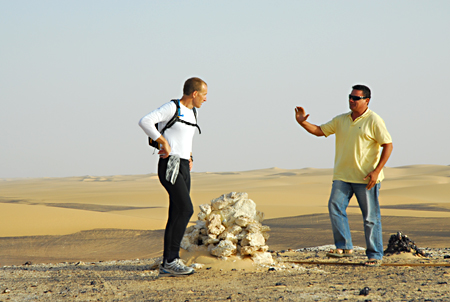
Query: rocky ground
{"x": 298, "y": 275}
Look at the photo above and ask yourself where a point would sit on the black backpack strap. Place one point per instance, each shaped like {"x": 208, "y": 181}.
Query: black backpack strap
{"x": 168, "y": 125}
{"x": 190, "y": 124}
{"x": 174, "y": 117}
{"x": 196, "y": 124}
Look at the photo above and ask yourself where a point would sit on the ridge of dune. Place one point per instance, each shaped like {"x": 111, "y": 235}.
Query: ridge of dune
{"x": 35, "y": 220}
{"x": 65, "y": 205}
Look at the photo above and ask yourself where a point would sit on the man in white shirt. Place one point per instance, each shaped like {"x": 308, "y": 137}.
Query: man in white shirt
{"x": 176, "y": 143}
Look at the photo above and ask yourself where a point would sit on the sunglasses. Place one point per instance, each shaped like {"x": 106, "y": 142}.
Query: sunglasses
{"x": 356, "y": 98}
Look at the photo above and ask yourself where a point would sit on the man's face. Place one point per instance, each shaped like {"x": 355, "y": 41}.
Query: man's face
{"x": 200, "y": 96}
{"x": 358, "y": 106}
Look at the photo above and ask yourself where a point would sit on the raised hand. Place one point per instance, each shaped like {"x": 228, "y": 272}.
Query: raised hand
{"x": 300, "y": 115}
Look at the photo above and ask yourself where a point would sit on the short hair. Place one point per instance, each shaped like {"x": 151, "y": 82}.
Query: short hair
{"x": 193, "y": 84}
{"x": 364, "y": 89}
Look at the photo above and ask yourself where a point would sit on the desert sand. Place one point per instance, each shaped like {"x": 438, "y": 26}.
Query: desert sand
{"x": 82, "y": 232}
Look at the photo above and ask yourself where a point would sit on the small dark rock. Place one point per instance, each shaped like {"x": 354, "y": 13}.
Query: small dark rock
{"x": 442, "y": 282}
{"x": 447, "y": 257}
{"x": 272, "y": 269}
{"x": 28, "y": 263}
{"x": 364, "y": 291}
{"x": 401, "y": 243}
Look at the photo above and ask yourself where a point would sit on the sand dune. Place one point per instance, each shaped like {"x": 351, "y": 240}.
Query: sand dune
{"x": 57, "y": 206}
{"x": 63, "y": 206}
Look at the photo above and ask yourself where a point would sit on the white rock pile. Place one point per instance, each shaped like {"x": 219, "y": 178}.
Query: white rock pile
{"x": 230, "y": 225}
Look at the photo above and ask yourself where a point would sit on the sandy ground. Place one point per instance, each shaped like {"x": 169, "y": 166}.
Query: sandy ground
{"x": 315, "y": 278}
{"x": 82, "y": 236}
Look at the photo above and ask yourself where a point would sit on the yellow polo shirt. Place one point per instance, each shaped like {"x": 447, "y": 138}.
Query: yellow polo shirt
{"x": 358, "y": 145}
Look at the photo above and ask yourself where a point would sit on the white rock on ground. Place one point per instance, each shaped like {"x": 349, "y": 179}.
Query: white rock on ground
{"x": 230, "y": 225}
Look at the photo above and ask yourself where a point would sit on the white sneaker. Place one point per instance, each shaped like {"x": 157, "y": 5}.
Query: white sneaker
{"x": 175, "y": 268}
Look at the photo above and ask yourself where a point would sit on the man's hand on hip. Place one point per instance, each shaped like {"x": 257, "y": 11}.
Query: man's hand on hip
{"x": 373, "y": 178}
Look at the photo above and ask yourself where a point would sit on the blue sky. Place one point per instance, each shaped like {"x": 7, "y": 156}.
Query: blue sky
{"x": 76, "y": 77}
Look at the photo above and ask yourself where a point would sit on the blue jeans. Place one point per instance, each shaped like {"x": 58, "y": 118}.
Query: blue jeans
{"x": 341, "y": 193}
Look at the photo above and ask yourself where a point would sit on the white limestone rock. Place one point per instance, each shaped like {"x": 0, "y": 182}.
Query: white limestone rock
{"x": 253, "y": 239}
{"x": 225, "y": 248}
{"x": 215, "y": 224}
{"x": 248, "y": 250}
{"x": 228, "y": 199}
{"x": 221, "y": 202}
{"x": 211, "y": 239}
{"x": 234, "y": 229}
{"x": 259, "y": 217}
{"x": 243, "y": 221}
{"x": 231, "y": 225}
{"x": 205, "y": 208}
{"x": 201, "y": 216}
{"x": 253, "y": 227}
{"x": 264, "y": 248}
{"x": 265, "y": 228}
{"x": 242, "y": 235}
{"x": 199, "y": 224}
{"x": 238, "y": 195}
{"x": 245, "y": 207}
{"x": 262, "y": 258}
{"x": 189, "y": 229}
{"x": 190, "y": 238}
{"x": 197, "y": 265}
{"x": 186, "y": 242}
{"x": 228, "y": 236}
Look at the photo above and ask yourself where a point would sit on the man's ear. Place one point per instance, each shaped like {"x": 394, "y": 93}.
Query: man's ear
{"x": 194, "y": 94}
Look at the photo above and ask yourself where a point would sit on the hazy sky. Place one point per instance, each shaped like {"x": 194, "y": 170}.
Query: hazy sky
{"x": 76, "y": 77}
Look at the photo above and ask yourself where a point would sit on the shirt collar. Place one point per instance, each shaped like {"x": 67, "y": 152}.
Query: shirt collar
{"x": 364, "y": 115}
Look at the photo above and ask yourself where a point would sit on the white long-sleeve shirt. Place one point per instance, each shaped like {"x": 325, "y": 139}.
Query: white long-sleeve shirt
{"x": 179, "y": 136}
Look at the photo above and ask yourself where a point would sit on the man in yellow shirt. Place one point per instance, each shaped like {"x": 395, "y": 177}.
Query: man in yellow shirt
{"x": 363, "y": 146}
